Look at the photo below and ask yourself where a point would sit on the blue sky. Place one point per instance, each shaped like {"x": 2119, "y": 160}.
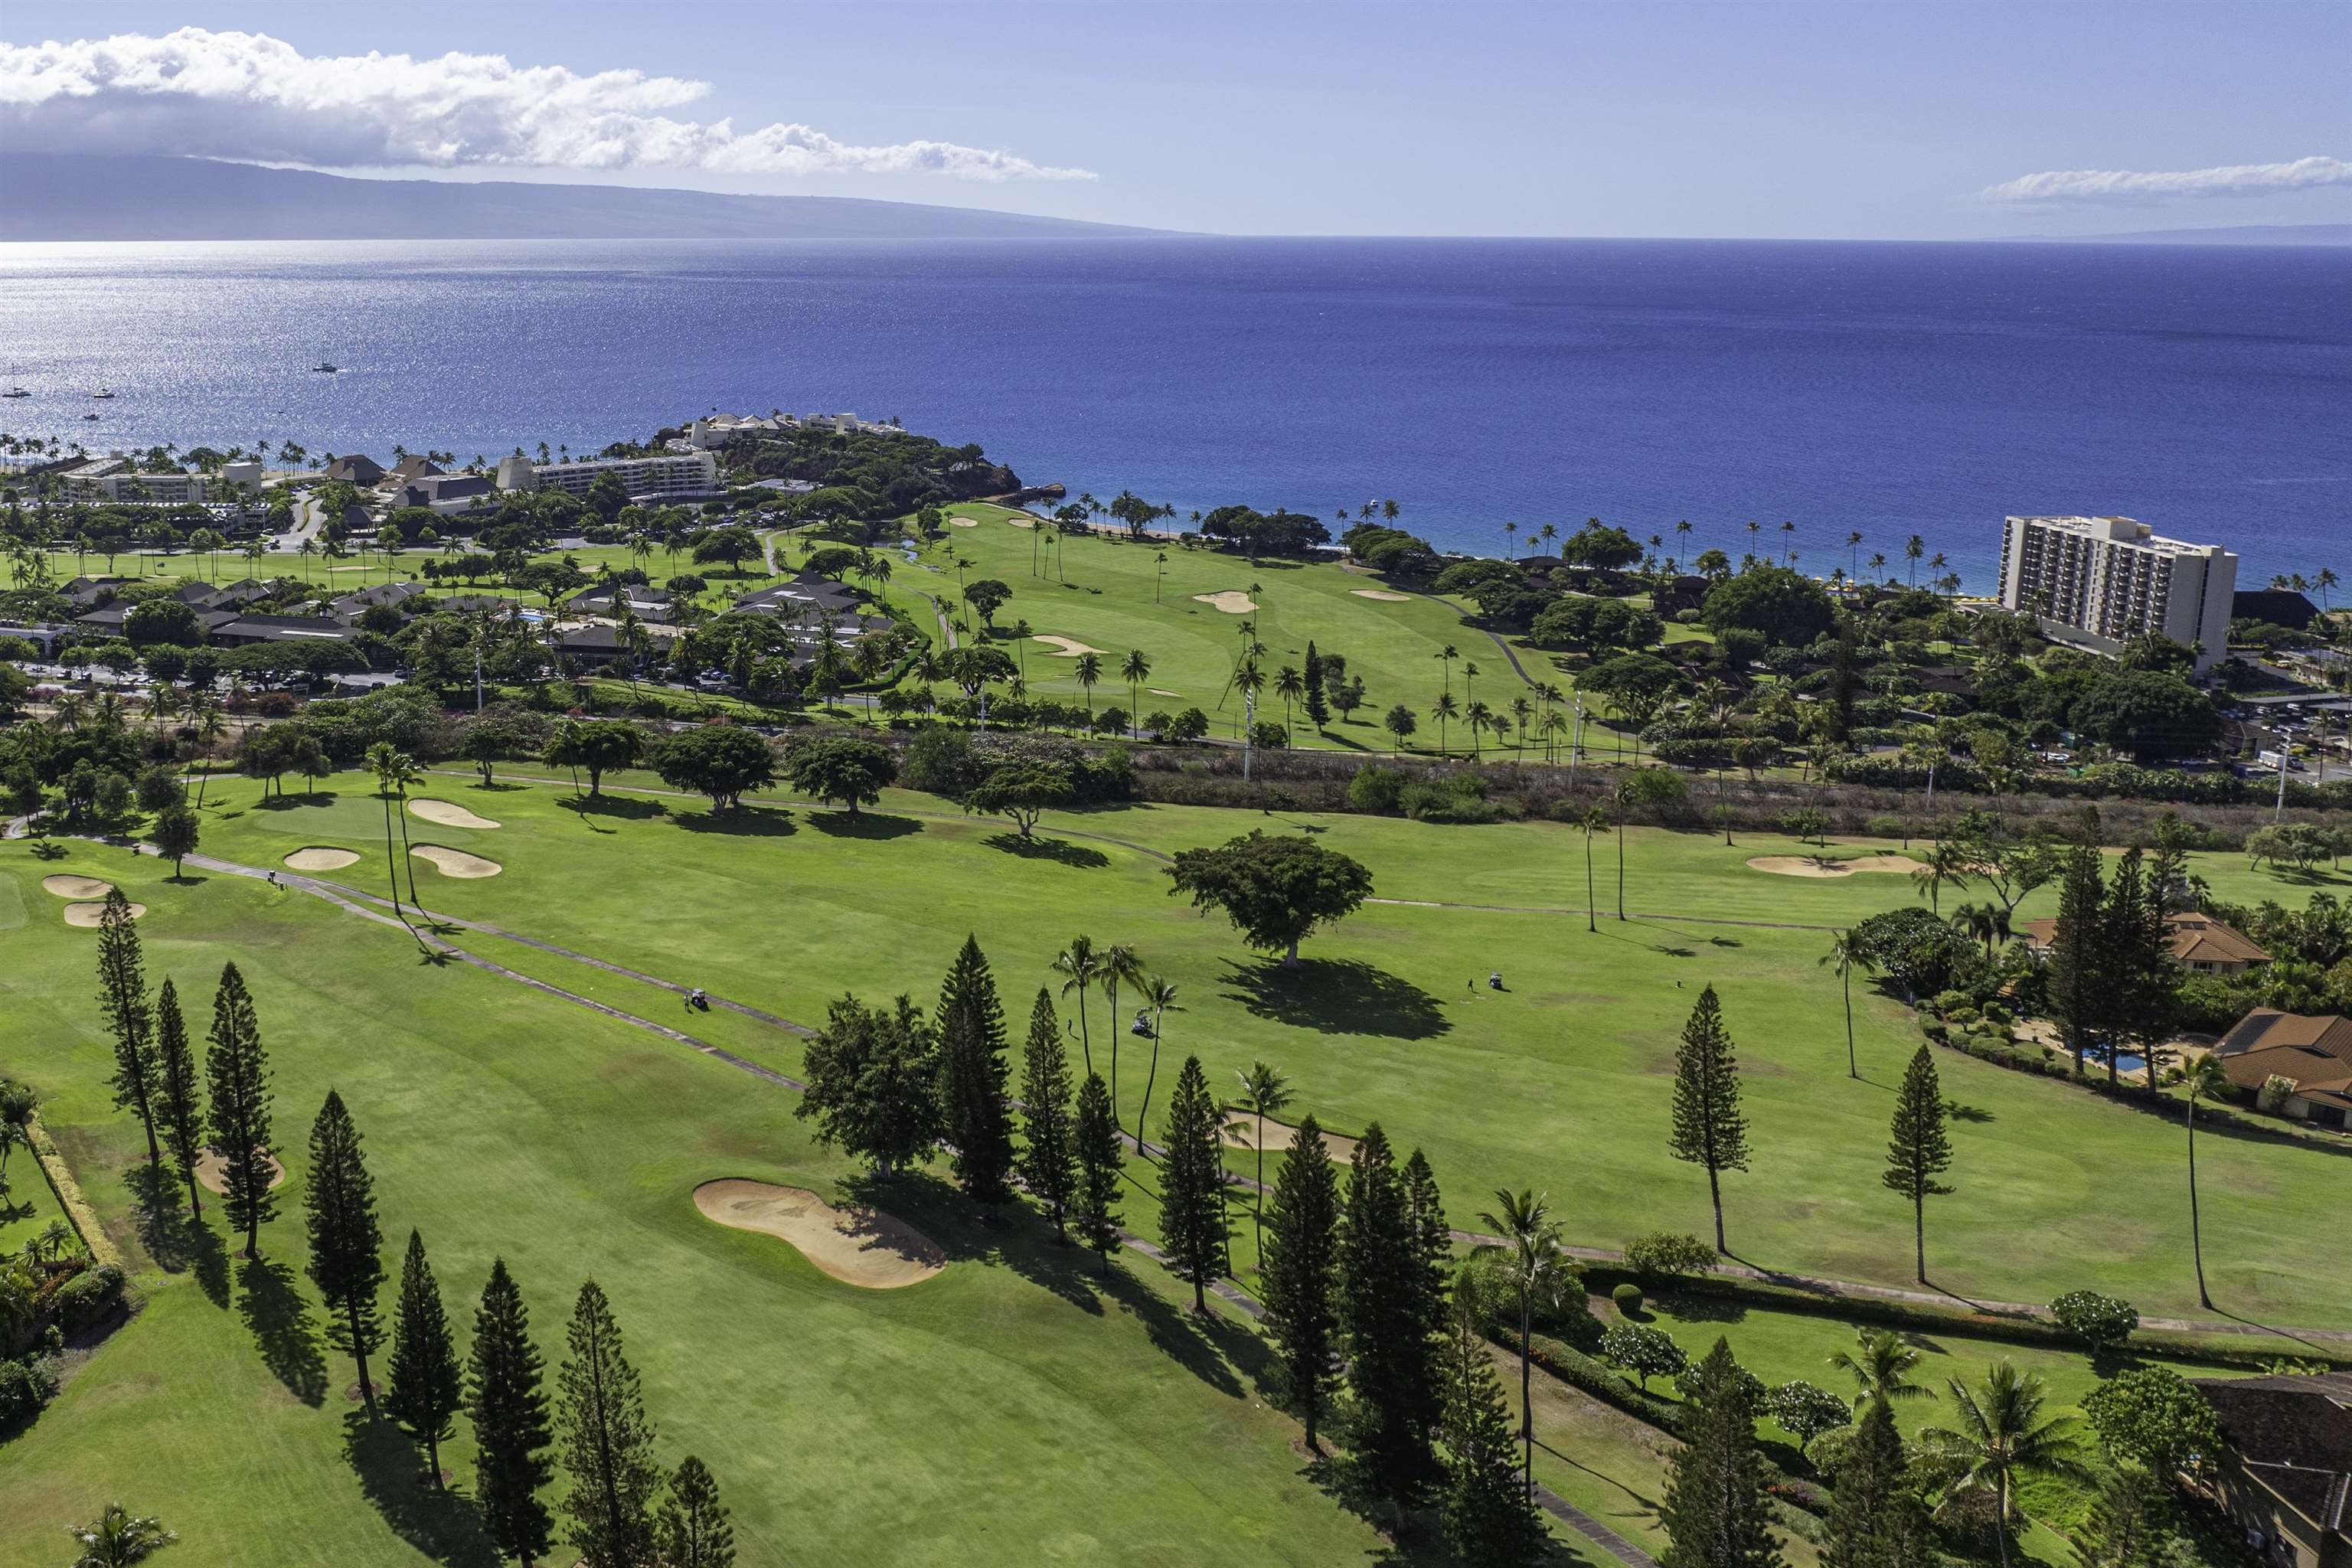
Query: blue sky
{"x": 1814, "y": 119}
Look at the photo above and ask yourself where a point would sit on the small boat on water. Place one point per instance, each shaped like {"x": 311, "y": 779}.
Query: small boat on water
{"x": 15, "y": 391}
{"x": 103, "y": 394}
{"x": 89, "y": 416}
{"x": 323, "y": 368}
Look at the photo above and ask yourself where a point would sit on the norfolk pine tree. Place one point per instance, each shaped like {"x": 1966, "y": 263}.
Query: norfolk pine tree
{"x": 1048, "y": 1164}
{"x": 1488, "y": 1519}
{"x": 507, "y": 1407}
{"x": 1099, "y": 1156}
{"x": 1918, "y": 1151}
{"x": 122, "y": 996}
{"x": 2076, "y": 977}
{"x": 237, "y": 1076}
{"x": 607, "y": 1444}
{"x": 178, "y": 1103}
{"x": 1192, "y": 1226}
{"x": 971, "y": 1077}
{"x": 1709, "y": 1128}
{"x": 694, "y": 1528}
{"x": 1298, "y": 1274}
{"x": 1876, "y": 1519}
{"x": 1716, "y": 1512}
{"x": 1384, "y": 1323}
{"x": 338, "y": 1211}
{"x": 426, "y": 1392}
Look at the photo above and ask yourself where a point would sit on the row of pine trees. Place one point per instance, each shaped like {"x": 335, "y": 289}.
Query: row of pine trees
{"x": 621, "y": 1510}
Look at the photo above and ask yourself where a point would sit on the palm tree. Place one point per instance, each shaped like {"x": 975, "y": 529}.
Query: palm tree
{"x": 1848, "y": 951}
{"x": 1114, "y": 964}
{"x": 1594, "y": 820}
{"x": 1080, "y": 969}
{"x": 1788, "y": 539}
{"x": 1135, "y": 669}
{"x": 2206, "y": 1081}
{"x": 1264, "y": 1091}
{"x": 1088, "y": 671}
{"x": 1948, "y": 862}
{"x": 1880, "y": 1365}
{"x": 1913, "y": 549}
{"x": 1878, "y": 562}
{"x": 1160, "y": 995}
{"x": 1988, "y": 923}
{"x": 2003, "y": 1438}
{"x": 1446, "y": 655}
{"x": 1536, "y": 1268}
{"x": 1443, "y": 710}
{"x": 119, "y": 1537}
{"x": 1290, "y": 686}
{"x": 385, "y": 762}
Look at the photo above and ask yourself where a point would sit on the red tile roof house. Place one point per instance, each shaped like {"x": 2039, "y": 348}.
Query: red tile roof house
{"x": 2313, "y": 1054}
{"x": 2286, "y": 1477}
{"x": 2203, "y": 944}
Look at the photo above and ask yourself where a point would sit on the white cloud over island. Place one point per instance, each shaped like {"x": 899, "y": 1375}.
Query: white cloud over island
{"x": 250, "y": 97}
{"x": 2122, "y": 186}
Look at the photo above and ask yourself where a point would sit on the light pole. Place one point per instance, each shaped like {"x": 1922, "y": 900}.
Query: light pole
{"x": 1576, "y": 740}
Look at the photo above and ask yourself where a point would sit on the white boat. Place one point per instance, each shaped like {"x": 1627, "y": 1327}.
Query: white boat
{"x": 15, "y": 391}
{"x": 103, "y": 394}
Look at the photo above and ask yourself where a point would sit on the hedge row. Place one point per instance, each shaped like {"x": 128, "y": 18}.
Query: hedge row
{"x": 1922, "y": 1318}
{"x": 68, "y": 1194}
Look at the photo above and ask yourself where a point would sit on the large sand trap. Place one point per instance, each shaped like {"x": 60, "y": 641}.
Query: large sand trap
{"x": 210, "y": 1167}
{"x": 965, "y": 522}
{"x": 1022, "y": 521}
{"x": 319, "y": 857}
{"x": 1382, "y": 594}
{"x": 1232, "y": 601}
{"x": 1162, "y": 691}
{"x": 1240, "y": 1130}
{"x": 1815, "y": 866}
{"x": 456, "y": 862}
{"x": 1067, "y": 648}
{"x": 89, "y": 914}
{"x": 448, "y": 814}
{"x": 67, "y": 887}
{"x": 857, "y": 1246}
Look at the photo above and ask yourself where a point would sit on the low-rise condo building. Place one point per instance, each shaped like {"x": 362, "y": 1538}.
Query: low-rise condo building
{"x": 664, "y": 475}
{"x": 114, "y": 481}
{"x": 2097, "y": 582}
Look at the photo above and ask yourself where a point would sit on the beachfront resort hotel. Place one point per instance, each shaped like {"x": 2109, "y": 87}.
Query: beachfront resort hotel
{"x": 2096, "y": 582}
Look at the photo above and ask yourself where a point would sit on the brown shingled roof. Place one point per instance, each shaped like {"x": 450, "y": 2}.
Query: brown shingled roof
{"x": 2313, "y": 1053}
{"x": 2196, "y": 939}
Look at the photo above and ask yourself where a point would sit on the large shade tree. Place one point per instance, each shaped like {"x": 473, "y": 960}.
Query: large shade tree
{"x": 1276, "y": 890}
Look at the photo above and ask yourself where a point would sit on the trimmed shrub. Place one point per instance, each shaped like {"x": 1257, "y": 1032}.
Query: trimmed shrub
{"x": 1627, "y": 1299}
{"x": 2100, "y": 1322}
{"x": 1666, "y": 1254}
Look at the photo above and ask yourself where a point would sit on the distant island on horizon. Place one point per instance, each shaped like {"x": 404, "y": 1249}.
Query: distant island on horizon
{"x": 2232, "y": 234}
{"x": 57, "y": 196}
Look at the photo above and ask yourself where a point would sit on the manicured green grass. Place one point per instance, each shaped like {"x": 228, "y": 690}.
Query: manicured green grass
{"x": 1560, "y": 1083}
{"x": 1009, "y": 1408}
{"x": 1112, "y": 594}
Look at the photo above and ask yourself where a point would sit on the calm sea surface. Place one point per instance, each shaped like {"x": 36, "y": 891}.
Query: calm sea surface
{"x": 1892, "y": 389}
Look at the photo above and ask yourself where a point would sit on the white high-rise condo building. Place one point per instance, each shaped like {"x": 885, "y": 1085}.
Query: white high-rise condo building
{"x": 2096, "y": 582}
{"x": 667, "y": 476}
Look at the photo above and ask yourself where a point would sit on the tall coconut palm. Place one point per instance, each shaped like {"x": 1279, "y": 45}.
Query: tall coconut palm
{"x": 2003, "y": 1437}
{"x": 1135, "y": 669}
{"x": 1594, "y": 820}
{"x": 1079, "y": 969}
{"x": 1445, "y": 711}
{"x": 385, "y": 760}
{"x": 1848, "y": 951}
{"x": 2206, "y": 1081}
{"x": 1536, "y": 1269}
{"x": 1264, "y": 1091}
{"x": 1881, "y": 1363}
{"x": 1116, "y": 965}
{"x": 1088, "y": 671}
{"x": 1290, "y": 685}
{"x": 1160, "y": 995}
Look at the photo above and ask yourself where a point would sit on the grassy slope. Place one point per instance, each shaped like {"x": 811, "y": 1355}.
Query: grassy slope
{"x": 1005, "y": 1409}
{"x": 1102, "y": 595}
{"x": 1560, "y": 1083}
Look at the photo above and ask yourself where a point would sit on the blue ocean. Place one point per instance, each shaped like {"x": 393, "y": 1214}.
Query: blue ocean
{"x": 1879, "y": 388}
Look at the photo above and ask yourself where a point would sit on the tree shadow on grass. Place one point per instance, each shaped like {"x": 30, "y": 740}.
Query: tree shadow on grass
{"x": 743, "y": 822}
{"x": 1061, "y": 851}
{"x": 444, "y": 1525}
{"x": 175, "y": 1241}
{"x": 1022, "y": 1239}
{"x": 279, "y": 1319}
{"x": 1335, "y": 995}
{"x": 626, "y": 807}
{"x": 1693, "y": 1306}
{"x": 865, "y": 824}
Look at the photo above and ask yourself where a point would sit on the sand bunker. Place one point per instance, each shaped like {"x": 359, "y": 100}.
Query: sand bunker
{"x": 965, "y": 522}
{"x": 1067, "y": 648}
{"x": 76, "y": 886}
{"x": 87, "y": 915}
{"x": 210, "y": 1168}
{"x": 1815, "y": 866}
{"x": 1162, "y": 691}
{"x": 857, "y": 1246}
{"x": 320, "y": 857}
{"x": 456, "y": 862}
{"x": 1380, "y": 594}
{"x": 1022, "y": 521}
{"x": 1232, "y": 601}
{"x": 447, "y": 814}
{"x": 1241, "y": 1131}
